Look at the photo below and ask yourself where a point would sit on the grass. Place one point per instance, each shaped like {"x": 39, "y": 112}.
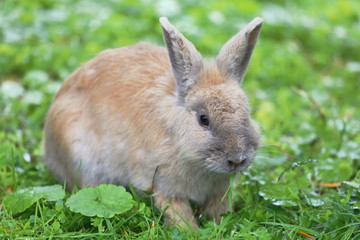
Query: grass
{"x": 302, "y": 83}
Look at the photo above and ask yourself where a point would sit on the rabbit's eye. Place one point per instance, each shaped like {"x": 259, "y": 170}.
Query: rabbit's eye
{"x": 204, "y": 120}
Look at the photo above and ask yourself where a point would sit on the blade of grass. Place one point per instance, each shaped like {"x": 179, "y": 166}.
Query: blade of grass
{"x": 343, "y": 227}
{"x": 13, "y": 174}
{"x": 291, "y": 226}
{"x": 229, "y": 192}
{"x": 110, "y": 227}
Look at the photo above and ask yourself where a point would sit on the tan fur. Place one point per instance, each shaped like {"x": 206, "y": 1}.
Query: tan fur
{"x": 131, "y": 116}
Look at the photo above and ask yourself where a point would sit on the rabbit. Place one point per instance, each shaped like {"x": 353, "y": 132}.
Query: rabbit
{"x": 161, "y": 119}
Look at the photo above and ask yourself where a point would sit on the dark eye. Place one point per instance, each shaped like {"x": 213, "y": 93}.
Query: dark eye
{"x": 204, "y": 120}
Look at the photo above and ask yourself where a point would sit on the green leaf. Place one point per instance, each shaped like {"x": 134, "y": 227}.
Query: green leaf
{"x": 105, "y": 200}
{"x": 280, "y": 194}
{"x": 11, "y": 89}
{"x": 97, "y": 222}
{"x": 335, "y": 170}
{"x": 285, "y": 193}
{"x": 33, "y": 97}
{"x": 352, "y": 184}
{"x": 21, "y": 200}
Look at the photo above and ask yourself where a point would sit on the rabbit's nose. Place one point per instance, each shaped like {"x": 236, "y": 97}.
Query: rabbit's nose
{"x": 237, "y": 162}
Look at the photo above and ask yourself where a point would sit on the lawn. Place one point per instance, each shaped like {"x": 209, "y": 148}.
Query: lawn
{"x": 303, "y": 85}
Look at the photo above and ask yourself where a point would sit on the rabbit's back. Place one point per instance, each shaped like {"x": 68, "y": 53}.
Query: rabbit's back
{"x": 131, "y": 68}
{"x": 101, "y": 110}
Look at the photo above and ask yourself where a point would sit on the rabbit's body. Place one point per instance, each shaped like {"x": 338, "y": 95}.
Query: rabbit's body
{"x": 101, "y": 111}
{"x": 131, "y": 116}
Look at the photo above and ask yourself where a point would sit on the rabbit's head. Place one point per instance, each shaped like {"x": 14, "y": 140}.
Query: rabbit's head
{"x": 218, "y": 133}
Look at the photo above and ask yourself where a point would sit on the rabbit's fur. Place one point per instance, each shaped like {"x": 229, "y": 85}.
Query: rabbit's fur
{"x": 159, "y": 119}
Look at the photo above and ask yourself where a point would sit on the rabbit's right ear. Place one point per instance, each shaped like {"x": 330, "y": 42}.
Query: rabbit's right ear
{"x": 186, "y": 61}
{"x": 234, "y": 57}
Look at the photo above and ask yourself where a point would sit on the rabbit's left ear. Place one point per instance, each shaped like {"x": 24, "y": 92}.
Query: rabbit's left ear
{"x": 234, "y": 56}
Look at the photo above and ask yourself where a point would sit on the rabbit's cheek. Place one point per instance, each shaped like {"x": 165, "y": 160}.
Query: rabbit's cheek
{"x": 214, "y": 163}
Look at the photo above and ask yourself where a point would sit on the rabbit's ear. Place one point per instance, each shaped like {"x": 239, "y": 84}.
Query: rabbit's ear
{"x": 186, "y": 61}
{"x": 235, "y": 55}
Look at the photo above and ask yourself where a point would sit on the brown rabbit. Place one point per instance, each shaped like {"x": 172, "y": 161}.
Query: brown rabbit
{"x": 161, "y": 120}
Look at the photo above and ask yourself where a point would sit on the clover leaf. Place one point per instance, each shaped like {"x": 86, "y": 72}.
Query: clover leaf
{"x": 105, "y": 200}
{"x": 21, "y": 200}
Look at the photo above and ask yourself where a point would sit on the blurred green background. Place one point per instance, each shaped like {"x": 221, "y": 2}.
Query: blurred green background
{"x": 303, "y": 83}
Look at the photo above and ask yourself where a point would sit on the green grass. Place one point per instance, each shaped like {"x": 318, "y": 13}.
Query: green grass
{"x": 303, "y": 84}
